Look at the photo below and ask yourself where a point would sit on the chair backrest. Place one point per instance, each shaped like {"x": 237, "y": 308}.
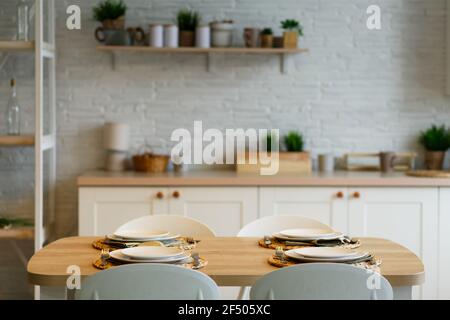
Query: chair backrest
{"x": 172, "y": 223}
{"x": 322, "y": 281}
{"x": 270, "y": 225}
{"x": 148, "y": 282}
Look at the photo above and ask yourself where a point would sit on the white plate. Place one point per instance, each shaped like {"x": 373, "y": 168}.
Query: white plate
{"x": 141, "y": 234}
{"x": 166, "y": 238}
{"x": 292, "y": 254}
{"x": 333, "y": 236}
{"x": 118, "y": 255}
{"x": 326, "y": 252}
{"x": 307, "y": 233}
{"x": 152, "y": 253}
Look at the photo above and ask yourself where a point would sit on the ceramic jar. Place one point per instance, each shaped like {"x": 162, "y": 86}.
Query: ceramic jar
{"x": 156, "y": 36}
{"x": 203, "y": 36}
{"x": 171, "y": 36}
{"x": 222, "y": 34}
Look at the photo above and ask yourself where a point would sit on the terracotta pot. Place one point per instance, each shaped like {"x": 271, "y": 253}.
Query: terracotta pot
{"x": 187, "y": 38}
{"x": 116, "y": 24}
{"x": 266, "y": 41}
{"x": 290, "y": 39}
{"x": 434, "y": 160}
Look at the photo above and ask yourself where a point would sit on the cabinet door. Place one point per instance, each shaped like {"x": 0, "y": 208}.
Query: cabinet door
{"x": 408, "y": 216}
{"x": 103, "y": 210}
{"x": 327, "y": 205}
{"x": 444, "y": 243}
{"x": 225, "y": 210}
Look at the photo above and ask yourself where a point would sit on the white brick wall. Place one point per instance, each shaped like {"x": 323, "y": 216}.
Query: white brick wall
{"x": 356, "y": 90}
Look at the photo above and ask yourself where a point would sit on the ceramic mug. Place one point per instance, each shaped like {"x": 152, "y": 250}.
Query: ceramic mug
{"x": 251, "y": 37}
{"x": 112, "y": 37}
{"x": 387, "y": 161}
{"x": 326, "y": 162}
{"x": 136, "y": 36}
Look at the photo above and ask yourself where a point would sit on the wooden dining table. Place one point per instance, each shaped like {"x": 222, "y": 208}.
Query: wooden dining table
{"x": 232, "y": 261}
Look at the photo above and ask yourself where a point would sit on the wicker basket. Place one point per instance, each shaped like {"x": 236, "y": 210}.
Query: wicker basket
{"x": 148, "y": 162}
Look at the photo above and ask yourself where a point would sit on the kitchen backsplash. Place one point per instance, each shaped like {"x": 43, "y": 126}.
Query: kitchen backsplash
{"x": 356, "y": 90}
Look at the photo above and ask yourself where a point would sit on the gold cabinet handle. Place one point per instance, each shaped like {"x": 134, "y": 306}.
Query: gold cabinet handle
{"x": 176, "y": 194}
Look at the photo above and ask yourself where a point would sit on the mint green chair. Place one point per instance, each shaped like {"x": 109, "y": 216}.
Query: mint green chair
{"x": 322, "y": 281}
{"x": 148, "y": 282}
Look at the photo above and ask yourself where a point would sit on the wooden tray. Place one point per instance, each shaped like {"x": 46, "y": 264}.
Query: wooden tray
{"x": 429, "y": 174}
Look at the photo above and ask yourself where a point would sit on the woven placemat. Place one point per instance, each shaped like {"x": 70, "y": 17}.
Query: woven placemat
{"x": 114, "y": 263}
{"x": 274, "y": 244}
{"x": 100, "y": 244}
{"x": 275, "y": 261}
{"x": 428, "y": 174}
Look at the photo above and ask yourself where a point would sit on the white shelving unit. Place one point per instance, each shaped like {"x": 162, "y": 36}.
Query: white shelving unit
{"x": 44, "y": 139}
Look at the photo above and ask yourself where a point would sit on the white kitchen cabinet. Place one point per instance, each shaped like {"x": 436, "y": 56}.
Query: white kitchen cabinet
{"x": 327, "y": 205}
{"x": 103, "y": 210}
{"x": 444, "y": 244}
{"x": 408, "y": 216}
{"x": 225, "y": 210}
{"x": 416, "y": 217}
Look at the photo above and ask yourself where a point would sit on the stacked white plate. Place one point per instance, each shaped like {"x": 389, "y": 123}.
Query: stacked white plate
{"x": 142, "y": 235}
{"x": 307, "y": 234}
{"x": 326, "y": 254}
{"x": 150, "y": 255}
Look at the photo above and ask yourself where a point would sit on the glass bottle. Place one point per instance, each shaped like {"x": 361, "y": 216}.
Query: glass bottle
{"x": 13, "y": 112}
{"x": 22, "y": 20}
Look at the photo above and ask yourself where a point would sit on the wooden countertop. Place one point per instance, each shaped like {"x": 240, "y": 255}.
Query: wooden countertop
{"x": 231, "y": 261}
{"x": 232, "y": 178}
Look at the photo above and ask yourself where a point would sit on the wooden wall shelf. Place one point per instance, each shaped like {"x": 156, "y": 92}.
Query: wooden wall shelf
{"x": 17, "y": 141}
{"x": 17, "y": 233}
{"x": 17, "y": 45}
{"x": 282, "y": 52}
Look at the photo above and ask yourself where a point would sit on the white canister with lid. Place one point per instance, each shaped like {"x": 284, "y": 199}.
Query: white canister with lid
{"x": 203, "y": 36}
{"x": 156, "y": 36}
{"x": 116, "y": 136}
{"x": 171, "y": 36}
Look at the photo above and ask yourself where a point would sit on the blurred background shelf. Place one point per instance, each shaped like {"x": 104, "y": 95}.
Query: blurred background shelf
{"x": 25, "y": 233}
{"x": 17, "y": 141}
{"x": 17, "y": 45}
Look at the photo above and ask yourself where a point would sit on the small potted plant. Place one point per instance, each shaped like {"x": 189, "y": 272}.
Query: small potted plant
{"x": 187, "y": 23}
{"x": 292, "y": 30}
{"x": 267, "y": 38}
{"x": 111, "y": 14}
{"x": 436, "y": 141}
{"x": 295, "y": 159}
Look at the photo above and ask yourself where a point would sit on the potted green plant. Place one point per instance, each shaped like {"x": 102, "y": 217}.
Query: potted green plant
{"x": 295, "y": 159}
{"x": 292, "y": 30}
{"x": 111, "y": 14}
{"x": 436, "y": 141}
{"x": 188, "y": 21}
{"x": 267, "y": 38}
